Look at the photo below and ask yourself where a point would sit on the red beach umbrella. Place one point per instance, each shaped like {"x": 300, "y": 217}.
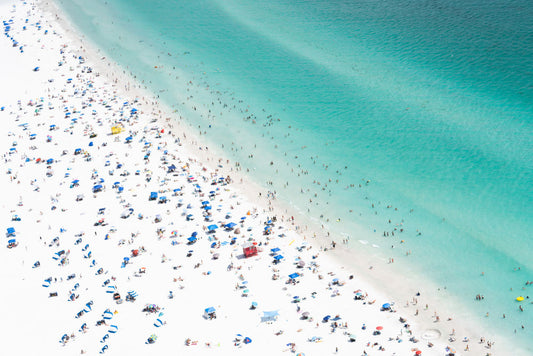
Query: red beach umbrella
{"x": 379, "y": 328}
{"x": 418, "y": 352}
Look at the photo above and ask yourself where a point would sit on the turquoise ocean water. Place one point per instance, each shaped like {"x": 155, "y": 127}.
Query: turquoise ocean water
{"x": 362, "y": 112}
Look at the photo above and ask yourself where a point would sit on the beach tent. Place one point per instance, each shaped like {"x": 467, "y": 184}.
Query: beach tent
{"x": 153, "y": 196}
{"x": 210, "y": 313}
{"x": 269, "y": 316}
{"x": 275, "y": 250}
{"x": 116, "y": 130}
{"x": 10, "y": 231}
{"x": 192, "y": 240}
{"x": 249, "y": 249}
{"x": 294, "y": 275}
{"x": 277, "y": 258}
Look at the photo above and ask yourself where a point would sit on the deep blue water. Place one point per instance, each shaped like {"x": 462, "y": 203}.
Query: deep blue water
{"x": 423, "y": 106}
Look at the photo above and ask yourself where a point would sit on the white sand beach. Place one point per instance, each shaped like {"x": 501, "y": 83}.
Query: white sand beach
{"x": 121, "y": 238}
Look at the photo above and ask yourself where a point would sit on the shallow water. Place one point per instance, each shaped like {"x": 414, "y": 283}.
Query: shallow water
{"x": 415, "y": 112}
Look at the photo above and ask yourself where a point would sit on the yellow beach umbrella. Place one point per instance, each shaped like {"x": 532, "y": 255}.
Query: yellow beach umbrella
{"x": 519, "y": 299}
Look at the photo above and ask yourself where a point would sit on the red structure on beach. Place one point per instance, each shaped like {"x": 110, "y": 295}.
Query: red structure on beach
{"x": 249, "y": 250}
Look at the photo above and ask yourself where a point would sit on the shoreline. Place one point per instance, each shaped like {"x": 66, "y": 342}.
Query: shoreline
{"x": 251, "y": 190}
{"x": 250, "y": 193}
{"x": 304, "y": 226}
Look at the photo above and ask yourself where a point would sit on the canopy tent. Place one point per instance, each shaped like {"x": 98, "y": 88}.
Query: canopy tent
{"x": 294, "y": 275}
{"x": 231, "y": 225}
{"x": 269, "y": 316}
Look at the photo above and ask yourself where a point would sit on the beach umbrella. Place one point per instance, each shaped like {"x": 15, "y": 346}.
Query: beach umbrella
{"x": 418, "y": 352}
{"x": 294, "y": 275}
{"x": 212, "y": 227}
{"x": 386, "y": 306}
{"x": 278, "y": 257}
{"x": 275, "y": 249}
{"x": 247, "y": 340}
{"x": 379, "y": 328}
